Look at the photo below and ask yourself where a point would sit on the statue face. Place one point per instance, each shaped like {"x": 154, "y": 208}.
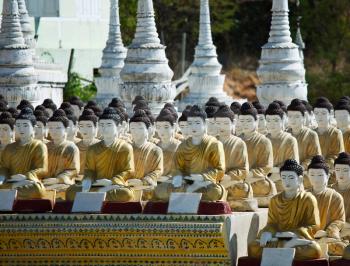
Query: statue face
{"x": 322, "y": 116}
{"x": 196, "y": 126}
{"x": 224, "y": 126}
{"x": 211, "y": 127}
{"x": 139, "y": 131}
{"x": 87, "y": 129}
{"x": 72, "y": 129}
{"x": 318, "y": 178}
{"x": 108, "y": 128}
{"x": 57, "y": 130}
{"x": 342, "y": 173}
{"x": 77, "y": 111}
{"x": 290, "y": 181}
{"x": 295, "y": 119}
{"x": 261, "y": 123}
{"x": 247, "y": 123}
{"x": 343, "y": 118}
{"x": 165, "y": 130}
{"x": 6, "y": 133}
{"x": 49, "y": 111}
{"x": 40, "y": 130}
{"x": 24, "y": 128}
{"x": 184, "y": 128}
{"x": 274, "y": 124}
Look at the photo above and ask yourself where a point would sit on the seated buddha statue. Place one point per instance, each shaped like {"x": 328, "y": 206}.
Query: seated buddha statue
{"x": 331, "y": 138}
{"x": 50, "y": 106}
{"x": 211, "y": 126}
{"x": 72, "y": 130}
{"x": 262, "y": 129}
{"x": 342, "y": 186}
{"x": 293, "y": 218}
{"x": 199, "y": 163}
{"x": 284, "y": 145}
{"x": 260, "y": 155}
{"x": 166, "y": 128}
{"x": 7, "y": 134}
{"x": 148, "y": 157}
{"x": 88, "y": 131}
{"x": 41, "y": 130}
{"x": 77, "y": 105}
{"x": 183, "y": 125}
{"x": 330, "y": 205}
{"x": 63, "y": 155}
{"x": 308, "y": 142}
{"x": 342, "y": 115}
{"x": 239, "y": 193}
{"x": 108, "y": 163}
{"x": 24, "y": 162}
{"x": 236, "y": 109}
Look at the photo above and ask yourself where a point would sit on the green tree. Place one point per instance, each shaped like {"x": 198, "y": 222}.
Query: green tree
{"x": 75, "y": 87}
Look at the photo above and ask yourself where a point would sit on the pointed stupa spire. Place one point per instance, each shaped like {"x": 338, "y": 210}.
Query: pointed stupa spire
{"x": 280, "y": 31}
{"x": 205, "y": 36}
{"x": 114, "y": 53}
{"x": 11, "y": 32}
{"x": 27, "y": 30}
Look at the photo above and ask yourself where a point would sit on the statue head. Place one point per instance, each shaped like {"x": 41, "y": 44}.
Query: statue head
{"x": 117, "y": 103}
{"x": 274, "y": 119}
{"x": 152, "y": 127}
{"x": 88, "y": 124}
{"x": 261, "y": 116}
{"x": 137, "y": 99}
{"x": 291, "y": 175}
{"x": 342, "y": 114}
{"x": 322, "y": 110}
{"x": 25, "y": 123}
{"x": 50, "y": 106}
{"x": 108, "y": 123}
{"x": 309, "y": 114}
{"x": 285, "y": 111}
{"x": 318, "y": 173}
{"x": 40, "y": 129}
{"x": 7, "y": 123}
{"x": 123, "y": 127}
{"x": 296, "y": 114}
{"x": 197, "y": 122}
{"x": 77, "y": 105}
{"x": 139, "y": 126}
{"x": 183, "y": 125}
{"x": 224, "y": 121}
{"x": 211, "y": 126}
{"x": 25, "y": 104}
{"x": 165, "y": 125}
{"x": 342, "y": 168}
{"x": 248, "y": 118}
{"x": 72, "y": 129}
{"x": 58, "y": 126}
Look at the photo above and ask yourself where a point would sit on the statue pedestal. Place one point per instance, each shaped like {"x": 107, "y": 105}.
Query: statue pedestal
{"x": 138, "y": 239}
{"x": 245, "y": 261}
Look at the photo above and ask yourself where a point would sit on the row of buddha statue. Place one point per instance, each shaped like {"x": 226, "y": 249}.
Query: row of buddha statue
{"x": 282, "y": 157}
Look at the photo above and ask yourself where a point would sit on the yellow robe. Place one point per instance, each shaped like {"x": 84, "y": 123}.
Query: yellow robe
{"x": 285, "y": 147}
{"x": 115, "y": 163}
{"x": 346, "y": 138}
{"x": 331, "y": 143}
{"x": 63, "y": 163}
{"x": 29, "y": 160}
{"x": 298, "y": 215}
{"x": 236, "y": 158}
{"x": 346, "y": 196}
{"x": 168, "y": 156}
{"x": 82, "y": 150}
{"x": 308, "y": 146}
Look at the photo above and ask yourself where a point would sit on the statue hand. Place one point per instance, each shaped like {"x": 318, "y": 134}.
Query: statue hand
{"x": 86, "y": 184}
{"x": 103, "y": 182}
{"x": 265, "y": 237}
{"x": 50, "y": 181}
{"x": 195, "y": 177}
{"x": 296, "y": 242}
{"x": 177, "y": 181}
{"x": 135, "y": 182}
{"x": 149, "y": 181}
{"x": 320, "y": 234}
{"x": 18, "y": 177}
{"x": 197, "y": 185}
{"x": 333, "y": 234}
{"x": 286, "y": 235}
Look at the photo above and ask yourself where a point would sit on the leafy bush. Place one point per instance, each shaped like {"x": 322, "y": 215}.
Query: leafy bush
{"x": 75, "y": 87}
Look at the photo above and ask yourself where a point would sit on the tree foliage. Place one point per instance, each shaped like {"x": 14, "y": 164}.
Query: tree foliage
{"x": 75, "y": 87}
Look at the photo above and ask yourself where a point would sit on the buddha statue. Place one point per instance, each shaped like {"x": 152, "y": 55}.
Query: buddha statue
{"x": 24, "y": 162}
{"x": 342, "y": 115}
{"x": 331, "y": 138}
{"x": 40, "y": 130}
{"x": 170, "y": 107}
{"x": 260, "y": 155}
{"x": 285, "y": 116}
{"x": 293, "y": 218}
{"x": 310, "y": 120}
{"x": 124, "y": 125}
{"x": 63, "y": 155}
{"x": 166, "y": 127}
{"x": 25, "y": 104}
{"x": 7, "y": 134}
{"x": 239, "y": 193}
{"x": 183, "y": 126}
{"x": 108, "y": 163}
{"x": 308, "y": 142}
{"x": 284, "y": 145}
{"x": 199, "y": 163}
{"x": 211, "y": 125}
{"x": 262, "y": 129}
{"x": 50, "y": 106}
{"x": 148, "y": 156}
{"x": 77, "y": 105}
{"x": 88, "y": 131}
{"x": 236, "y": 109}
{"x": 72, "y": 129}
{"x": 330, "y": 205}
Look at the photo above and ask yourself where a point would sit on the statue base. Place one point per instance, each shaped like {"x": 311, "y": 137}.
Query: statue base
{"x": 246, "y": 261}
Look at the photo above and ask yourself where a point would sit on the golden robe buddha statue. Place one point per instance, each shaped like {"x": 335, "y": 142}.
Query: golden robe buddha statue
{"x": 108, "y": 164}
{"x": 260, "y": 155}
{"x": 330, "y": 205}
{"x": 183, "y": 125}
{"x": 199, "y": 163}
{"x": 7, "y": 134}
{"x": 63, "y": 155}
{"x": 262, "y": 127}
{"x": 284, "y": 145}
{"x": 24, "y": 162}
{"x": 73, "y": 125}
{"x": 293, "y": 218}
{"x": 41, "y": 131}
{"x": 342, "y": 116}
